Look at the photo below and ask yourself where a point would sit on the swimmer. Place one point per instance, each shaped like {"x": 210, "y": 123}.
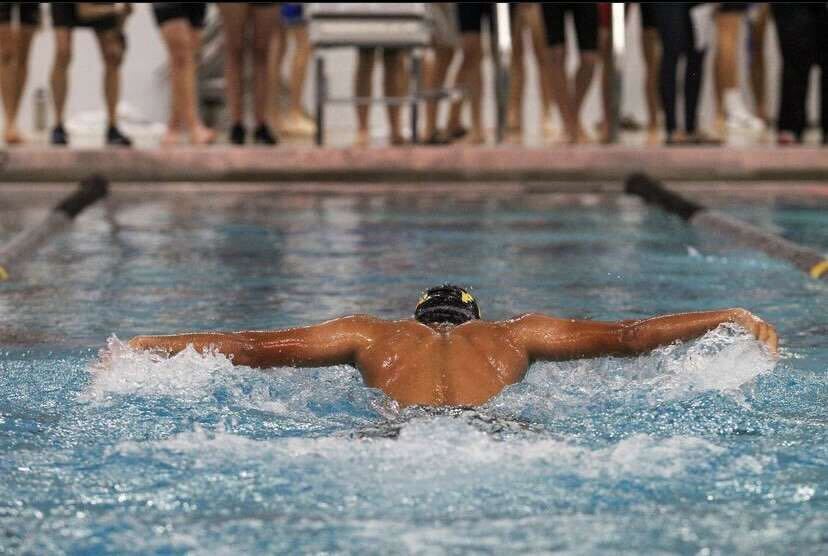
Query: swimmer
{"x": 447, "y": 355}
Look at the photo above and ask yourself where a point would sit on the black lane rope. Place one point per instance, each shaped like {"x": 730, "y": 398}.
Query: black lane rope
{"x": 90, "y": 190}
{"x": 733, "y": 230}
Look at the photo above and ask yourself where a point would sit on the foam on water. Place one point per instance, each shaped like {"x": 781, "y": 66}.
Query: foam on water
{"x": 724, "y": 360}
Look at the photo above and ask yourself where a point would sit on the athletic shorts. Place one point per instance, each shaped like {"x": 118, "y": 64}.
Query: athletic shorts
{"x": 64, "y": 14}
{"x": 28, "y": 12}
{"x": 586, "y": 24}
{"x": 194, "y": 12}
{"x": 292, "y": 14}
{"x": 648, "y": 15}
{"x": 734, "y": 7}
{"x": 471, "y": 14}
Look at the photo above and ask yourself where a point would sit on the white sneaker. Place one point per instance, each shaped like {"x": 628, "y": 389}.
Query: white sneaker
{"x": 552, "y": 126}
{"x": 738, "y": 116}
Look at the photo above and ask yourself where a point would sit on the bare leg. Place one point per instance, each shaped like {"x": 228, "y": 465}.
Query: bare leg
{"x": 514, "y": 111}
{"x": 583, "y": 79}
{"x": 278, "y": 46}
{"x": 362, "y": 90}
{"x": 651, "y": 47}
{"x": 757, "y": 61}
{"x": 727, "y": 34}
{"x": 264, "y": 22}
{"x": 60, "y": 70}
{"x": 394, "y": 85}
{"x": 299, "y": 68}
{"x": 112, "y": 50}
{"x": 25, "y": 33}
{"x": 557, "y": 57}
{"x": 470, "y": 75}
{"x": 605, "y": 52}
{"x": 435, "y": 78}
{"x": 8, "y": 80}
{"x": 533, "y": 19}
{"x": 177, "y": 34}
{"x": 234, "y": 17}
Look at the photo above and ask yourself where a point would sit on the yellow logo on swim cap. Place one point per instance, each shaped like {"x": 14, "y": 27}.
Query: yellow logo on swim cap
{"x": 466, "y": 297}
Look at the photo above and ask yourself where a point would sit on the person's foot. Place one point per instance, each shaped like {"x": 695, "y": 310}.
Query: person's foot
{"x": 457, "y": 133}
{"x": 703, "y": 139}
{"x": 114, "y": 138}
{"x": 202, "y": 135}
{"x": 297, "y": 124}
{"x": 362, "y": 139}
{"x": 59, "y": 136}
{"x": 437, "y": 138}
{"x": 653, "y": 136}
{"x": 629, "y": 123}
{"x": 238, "y": 134}
{"x": 171, "y": 138}
{"x": 262, "y": 135}
{"x": 738, "y": 115}
{"x": 552, "y": 125}
{"x": 675, "y": 138}
{"x": 474, "y": 138}
{"x": 786, "y": 139}
{"x": 14, "y": 137}
{"x": 396, "y": 140}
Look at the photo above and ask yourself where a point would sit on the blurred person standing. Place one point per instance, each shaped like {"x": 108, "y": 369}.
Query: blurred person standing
{"x": 292, "y": 27}
{"x": 445, "y": 44}
{"x": 758, "y": 17}
{"x": 651, "y": 51}
{"x": 527, "y": 16}
{"x": 15, "y": 43}
{"x": 803, "y": 41}
{"x": 181, "y": 24}
{"x": 107, "y": 20}
{"x": 732, "y": 113}
{"x": 679, "y": 39}
{"x": 570, "y": 98}
{"x": 470, "y": 74}
{"x": 393, "y": 60}
{"x": 236, "y": 17}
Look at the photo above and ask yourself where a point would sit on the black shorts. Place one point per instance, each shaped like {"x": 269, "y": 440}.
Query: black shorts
{"x": 64, "y": 14}
{"x": 194, "y": 12}
{"x": 586, "y": 24}
{"x": 648, "y": 15}
{"x": 471, "y": 14}
{"x": 29, "y": 12}
{"x": 734, "y": 7}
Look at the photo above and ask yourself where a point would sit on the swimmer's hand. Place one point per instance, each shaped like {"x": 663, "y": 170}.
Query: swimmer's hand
{"x": 760, "y": 329}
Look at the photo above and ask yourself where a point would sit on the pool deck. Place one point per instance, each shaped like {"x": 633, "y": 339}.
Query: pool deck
{"x": 415, "y": 164}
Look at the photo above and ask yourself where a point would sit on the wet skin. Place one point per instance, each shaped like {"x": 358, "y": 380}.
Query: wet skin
{"x": 443, "y": 364}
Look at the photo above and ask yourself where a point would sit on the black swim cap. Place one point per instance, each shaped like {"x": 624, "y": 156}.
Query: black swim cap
{"x": 446, "y": 303}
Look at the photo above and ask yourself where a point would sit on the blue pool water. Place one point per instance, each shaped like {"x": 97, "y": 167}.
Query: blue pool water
{"x": 711, "y": 447}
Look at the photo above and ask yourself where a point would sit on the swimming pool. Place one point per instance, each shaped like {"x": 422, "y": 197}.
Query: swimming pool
{"x": 710, "y": 447}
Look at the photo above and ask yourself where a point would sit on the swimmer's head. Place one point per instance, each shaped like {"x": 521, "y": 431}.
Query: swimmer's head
{"x": 446, "y": 304}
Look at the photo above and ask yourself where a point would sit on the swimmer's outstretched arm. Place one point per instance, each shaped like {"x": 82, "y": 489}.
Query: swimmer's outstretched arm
{"x": 548, "y": 338}
{"x": 330, "y": 343}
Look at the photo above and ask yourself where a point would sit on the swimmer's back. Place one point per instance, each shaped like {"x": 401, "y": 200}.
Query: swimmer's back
{"x": 454, "y": 365}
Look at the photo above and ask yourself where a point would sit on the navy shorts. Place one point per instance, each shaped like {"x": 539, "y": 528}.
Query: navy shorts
{"x": 194, "y": 12}
{"x": 64, "y": 14}
{"x": 586, "y": 23}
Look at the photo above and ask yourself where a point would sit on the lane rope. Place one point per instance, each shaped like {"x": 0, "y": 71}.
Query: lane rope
{"x": 726, "y": 227}
{"x": 22, "y": 245}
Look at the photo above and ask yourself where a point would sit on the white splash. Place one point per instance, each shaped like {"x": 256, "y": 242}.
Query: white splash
{"x": 187, "y": 375}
